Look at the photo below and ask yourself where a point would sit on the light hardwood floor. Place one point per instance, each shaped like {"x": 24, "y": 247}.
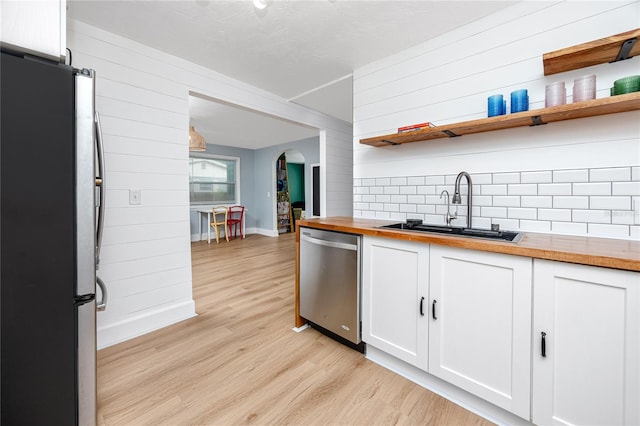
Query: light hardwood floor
{"x": 239, "y": 362}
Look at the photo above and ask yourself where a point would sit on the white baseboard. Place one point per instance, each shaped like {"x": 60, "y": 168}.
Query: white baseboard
{"x": 143, "y": 324}
{"x": 248, "y": 231}
{"x": 267, "y": 232}
{"x": 444, "y": 389}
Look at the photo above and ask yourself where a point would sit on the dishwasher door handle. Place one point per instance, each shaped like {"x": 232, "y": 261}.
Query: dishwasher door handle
{"x": 326, "y": 243}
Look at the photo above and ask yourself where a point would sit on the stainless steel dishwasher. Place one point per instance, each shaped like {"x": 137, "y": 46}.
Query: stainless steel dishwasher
{"x": 330, "y": 283}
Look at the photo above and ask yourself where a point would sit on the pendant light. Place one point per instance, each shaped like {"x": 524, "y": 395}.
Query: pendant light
{"x": 196, "y": 141}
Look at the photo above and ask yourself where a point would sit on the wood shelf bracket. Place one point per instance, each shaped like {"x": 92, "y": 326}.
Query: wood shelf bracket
{"x": 625, "y": 50}
{"x": 450, "y": 133}
{"x": 536, "y": 120}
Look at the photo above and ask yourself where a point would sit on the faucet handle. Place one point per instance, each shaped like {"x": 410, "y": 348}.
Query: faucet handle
{"x": 448, "y": 217}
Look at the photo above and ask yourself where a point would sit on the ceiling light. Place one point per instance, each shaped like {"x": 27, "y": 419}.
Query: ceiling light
{"x": 260, "y": 4}
{"x": 196, "y": 141}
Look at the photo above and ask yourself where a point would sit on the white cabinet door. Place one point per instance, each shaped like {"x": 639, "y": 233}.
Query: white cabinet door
{"x": 480, "y": 333}
{"x": 37, "y": 27}
{"x": 394, "y": 285}
{"x": 589, "y": 372}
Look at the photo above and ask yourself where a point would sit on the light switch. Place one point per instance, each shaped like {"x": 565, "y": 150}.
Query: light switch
{"x": 135, "y": 196}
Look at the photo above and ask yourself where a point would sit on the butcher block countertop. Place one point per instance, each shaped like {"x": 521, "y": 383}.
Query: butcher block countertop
{"x": 605, "y": 252}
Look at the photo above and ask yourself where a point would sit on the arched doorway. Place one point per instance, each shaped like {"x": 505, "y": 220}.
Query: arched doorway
{"x": 290, "y": 190}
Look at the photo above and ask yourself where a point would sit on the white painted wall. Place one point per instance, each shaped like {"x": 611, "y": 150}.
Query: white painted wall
{"x": 142, "y": 96}
{"x": 448, "y": 79}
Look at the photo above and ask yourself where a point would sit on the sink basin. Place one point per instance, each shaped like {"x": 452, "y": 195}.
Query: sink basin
{"x": 508, "y": 236}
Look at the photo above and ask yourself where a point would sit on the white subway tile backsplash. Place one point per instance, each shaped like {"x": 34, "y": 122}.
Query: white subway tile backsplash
{"x": 433, "y": 199}
{"x": 594, "y": 202}
{"x": 482, "y": 200}
{"x": 389, "y": 207}
{"x": 508, "y": 224}
{"x": 408, "y": 208}
{"x": 408, "y": 190}
{"x": 544, "y": 201}
{"x": 595, "y": 188}
{"x": 616, "y": 174}
{"x": 554, "y": 189}
{"x": 493, "y": 190}
{"x": 523, "y": 189}
{"x": 571, "y": 175}
{"x": 415, "y": 199}
{"x": 625, "y": 188}
{"x": 592, "y": 216}
{"x": 622, "y": 217}
{"x": 499, "y": 178}
{"x": 569, "y": 228}
{"x": 429, "y": 189}
{"x": 426, "y": 208}
{"x": 570, "y": 202}
{"x": 506, "y": 201}
{"x": 536, "y": 177}
{"x": 559, "y": 215}
{"x": 500, "y": 212}
{"x": 434, "y": 180}
{"x": 482, "y": 222}
{"x": 535, "y": 226}
{"x": 520, "y": 213}
{"x": 610, "y": 231}
{"x": 481, "y": 179}
{"x": 613, "y": 203}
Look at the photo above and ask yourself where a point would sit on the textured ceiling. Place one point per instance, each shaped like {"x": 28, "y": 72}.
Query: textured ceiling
{"x": 303, "y": 51}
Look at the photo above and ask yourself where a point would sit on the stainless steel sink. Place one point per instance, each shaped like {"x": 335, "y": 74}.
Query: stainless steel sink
{"x": 508, "y": 236}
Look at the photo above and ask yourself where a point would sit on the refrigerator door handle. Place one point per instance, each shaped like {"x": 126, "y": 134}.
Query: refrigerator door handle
{"x": 101, "y": 305}
{"x": 100, "y": 185}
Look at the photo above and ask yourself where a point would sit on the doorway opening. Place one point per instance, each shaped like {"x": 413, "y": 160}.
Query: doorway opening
{"x": 290, "y": 190}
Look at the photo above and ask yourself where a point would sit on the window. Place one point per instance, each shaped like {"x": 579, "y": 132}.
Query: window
{"x": 213, "y": 180}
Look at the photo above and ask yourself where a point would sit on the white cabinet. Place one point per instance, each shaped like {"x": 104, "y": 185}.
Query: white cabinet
{"x": 395, "y": 284}
{"x": 479, "y": 337}
{"x": 589, "y": 369}
{"x": 37, "y": 27}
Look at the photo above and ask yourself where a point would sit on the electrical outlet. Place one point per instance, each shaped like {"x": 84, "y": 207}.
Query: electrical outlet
{"x": 135, "y": 196}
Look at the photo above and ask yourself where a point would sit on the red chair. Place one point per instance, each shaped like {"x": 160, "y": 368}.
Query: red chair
{"x": 236, "y": 215}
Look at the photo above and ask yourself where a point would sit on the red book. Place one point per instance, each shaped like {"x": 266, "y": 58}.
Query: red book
{"x": 413, "y": 127}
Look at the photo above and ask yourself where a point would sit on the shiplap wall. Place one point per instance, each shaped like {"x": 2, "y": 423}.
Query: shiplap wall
{"x": 142, "y": 96}
{"x": 448, "y": 79}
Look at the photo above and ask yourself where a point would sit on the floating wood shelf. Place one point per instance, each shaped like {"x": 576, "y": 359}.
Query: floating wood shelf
{"x": 592, "y": 108}
{"x": 592, "y": 53}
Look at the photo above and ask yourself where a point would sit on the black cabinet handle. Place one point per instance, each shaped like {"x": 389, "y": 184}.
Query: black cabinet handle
{"x": 421, "y": 311}
{"x": 433, "y": 309}
{"x": 543, "y": 345}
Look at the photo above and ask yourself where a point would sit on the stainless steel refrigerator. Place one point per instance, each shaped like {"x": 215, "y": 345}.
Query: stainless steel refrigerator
{"x": 51, "y": 204}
